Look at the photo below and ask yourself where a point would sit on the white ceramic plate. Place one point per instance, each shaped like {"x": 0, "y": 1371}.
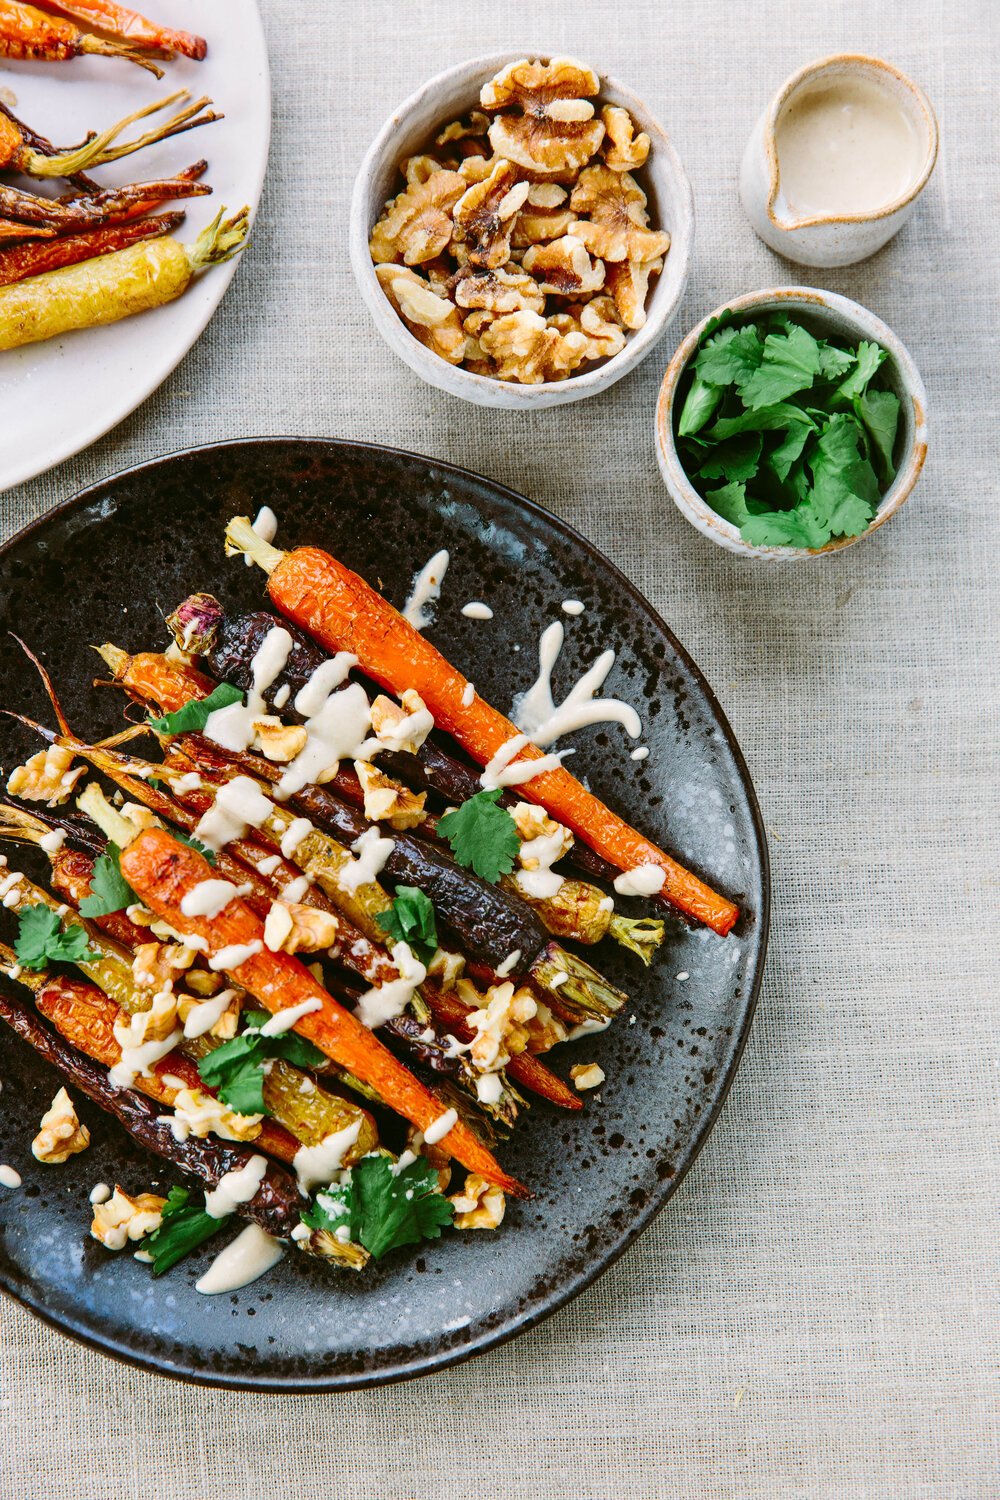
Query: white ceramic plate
{"x": 60, "y": 396}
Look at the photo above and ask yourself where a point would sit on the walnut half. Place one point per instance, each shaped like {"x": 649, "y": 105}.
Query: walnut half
{"x": 123, "y": 1218}
{"x": 61, "y": 1135}
{"x": 479, "y": 1205}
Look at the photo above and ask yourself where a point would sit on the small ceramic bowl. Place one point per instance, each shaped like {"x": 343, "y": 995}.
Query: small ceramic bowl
{"x": 408, "y": 130}
{"x": 836, "y": 316}
{"x": 832, "y": 239}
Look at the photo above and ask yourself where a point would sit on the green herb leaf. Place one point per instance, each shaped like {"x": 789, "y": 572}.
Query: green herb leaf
{"x": 483, "y": 836}
{"x": 730, "y": 503}
{"x": 845, "y": 489}
{"x": 699, "y": 404}
{"x": 193, "y": 843}
{"x": 791, "y": 363}
{"x": 110, "y": 891}
{"x": 731, "y": 357}
{"x": 41, "y": 939}
{"x": 789, "y": 449}
{"x": 384, "y": 1207}
{"x": 786, "y": 528}
{"x": 738, "y": 457}
{"x": 867, "y": 361}
{"x": 879, "y": 411}
{"x": 764, "y": 419}
{"x": 411, "y": 920}
{"x": 833, "y": 362}
{"x": 236, "y": 1069}
{"x": 182, "y": 1229}
{"x": 193, "y": 716}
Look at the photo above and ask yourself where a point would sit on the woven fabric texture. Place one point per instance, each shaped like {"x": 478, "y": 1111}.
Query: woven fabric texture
{"x": 815, "y": 1314}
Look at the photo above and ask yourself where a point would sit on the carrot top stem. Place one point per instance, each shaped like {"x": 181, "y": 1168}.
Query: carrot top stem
{"x": 100, "y": 148}
{"x": 241, "y": 538}
{"x": 102, "y": 47}
{"x": 220, "y": 241}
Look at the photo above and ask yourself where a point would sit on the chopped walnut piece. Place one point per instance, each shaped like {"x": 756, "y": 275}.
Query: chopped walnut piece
{"x": 402, "y": 728}
{"x": 477, "y": 124}
{"x": 503, "y": 290}
{"x": 417, "y": 169}
{"x": 499, "y": 1025}
{"x": 484, "y": 215}
{"x": 388, "y": 800}
{"x": 157, "y": 965}
{"x": 623, "y": 150}
{"x": 587, "y": 1076}
{"x": 279, "y": 742}
{"x": 430, "y": 318}
{"x": 555, "y": 130}
{"x": 598, "y": 320}
{"x": 628, "y": 283}
{"x": 545, "y": 1030}
{"x": 197, "y": 1113}
{"x": 152, "y": 1025}
{"x": 123, "y": 1218}
{"x": 446, "y": 967}
{"x": 615, "y": 224}
{"x": 564, "y": 268}
{"x": 60, "y": 1134}
{"x": 479, "y": 1205}
{"x": 416, "y": 225}
{"x": 525, "y": 349}
{"x": 546, "y": 215}
{"x": 293, "y": 928}
{"x": 46, "y": 777}
{"x": 477, "y": 168}
{"x": 225, "y": 1027}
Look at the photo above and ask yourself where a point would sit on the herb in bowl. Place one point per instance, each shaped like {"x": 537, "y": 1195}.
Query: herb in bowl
{"x": 787, "y": 435}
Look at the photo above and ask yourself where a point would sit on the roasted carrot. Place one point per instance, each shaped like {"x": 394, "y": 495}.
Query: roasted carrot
{"x": 345, "y": 613}
{"x": 11, "y": 229}
{"x": 523, "y": 1067}
{"x": 113, "y": 286}
{"x": 21, "y": 261}
{"x": 151, "y": 678}
{"x": 162, "y": 872}
{"x": 130, "y": 27}
{"x": 29, "y": 35}
{"x": 94, "y": 209}
{"x": 19, "y": 153}
{"x": 85, "y": 1016}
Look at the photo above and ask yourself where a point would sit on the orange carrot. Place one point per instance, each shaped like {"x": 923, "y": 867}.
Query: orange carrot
{"x": 344, "y": 613}
{"x": 130, "y": 27}
{"x": 29, "y": 35}
{"x": 21, "y": 261}
{"x": 162, "y": 872}
{"x": 151, "y": 678}
{"x": 86, "y": 1017}
{"x": 523, "y": 1067}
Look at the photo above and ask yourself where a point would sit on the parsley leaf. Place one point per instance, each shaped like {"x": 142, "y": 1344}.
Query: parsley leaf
{"x": 193, "y": 716}
{"x": 791, "y": 363}
{"x": 384, "y": 1207}
{"x": 193, "y": 843}
{"x": 41, "y": 939}
{"x": 110, "y": 891}
{"x": 236, "y": 1069}
{"x": 731, "y": 357}
{"x": 182, "y": 1229}
{"x": 482, "y": 835}
{"x": 410, "y": 919}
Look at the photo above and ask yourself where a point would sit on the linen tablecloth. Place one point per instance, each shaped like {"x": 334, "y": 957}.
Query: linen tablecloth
{"x": 815, "y": 1313}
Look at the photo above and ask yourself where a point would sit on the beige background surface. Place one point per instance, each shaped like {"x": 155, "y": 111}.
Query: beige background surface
{"x": 815, "y": 1314}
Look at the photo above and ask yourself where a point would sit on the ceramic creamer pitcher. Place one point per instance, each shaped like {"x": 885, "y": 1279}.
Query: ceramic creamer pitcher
{"x": 859, "y": 141}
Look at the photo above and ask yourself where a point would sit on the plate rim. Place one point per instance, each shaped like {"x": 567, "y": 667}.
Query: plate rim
{"x": 659, "y": 1194}
{"x": 223, "y": 279}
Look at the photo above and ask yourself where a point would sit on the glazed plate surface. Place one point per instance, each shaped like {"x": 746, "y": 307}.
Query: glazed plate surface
{"x": 108, "y": 566}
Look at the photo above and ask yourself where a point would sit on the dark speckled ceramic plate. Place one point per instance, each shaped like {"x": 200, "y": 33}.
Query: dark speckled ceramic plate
{"x": 106, "y": 566}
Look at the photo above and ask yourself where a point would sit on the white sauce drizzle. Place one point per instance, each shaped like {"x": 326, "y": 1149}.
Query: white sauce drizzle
{"x": 337, "y": 731}
{"x": 234, "y": 955}
{"x": 500, "y": 773}
{"x": 326, "y": 678}
{"x": 248, "y": 1257}
{"x": 536, "y": 713}
{"x": 236, "y": 1187}
{"x": 239, "y": 804}
{"x": 100, "y": 1193}
{"x": 284, "y": 1020}
{"x": 266, "y": 525}
{"x": 589, "y": 1027}
{"x": 317, "y": 1166}
{"x": 543, "y": 882}
{"x": 489, "y": 1088}
{"x": 372, "y": 851}
{"x": 468, "y": 694}
{"x": 425, "y": 591}
{"x": 293, "y": 835}
{"x": 203, "y": 1017}
{"x": 296, "y": 889}
{"x": 644, "y": 880}
{"x": 136, "y": 1060}
{"x": 386, "y": 1001}
{"x": 269, "y": 865}
{"x": 640, "y": 753}
{"x": 8, "y": 1177}
{"x": 282, "y": 696}
{"x": 53, "y": 841}
{"x": 209, "y": 897}
{"x": 509, "y": 964}
{"x": 572, "y": 606}
{"x": 232, "y": 727}
{"x": 476, "y": 610}
{"x": 439, "y": 1128}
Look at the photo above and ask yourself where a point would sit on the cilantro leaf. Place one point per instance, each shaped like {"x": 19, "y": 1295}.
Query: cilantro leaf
{"x": 193, "y": 716}
{"x": 789, "y": 449}
{"x": 182, "y": 1229}
{"x": 833, "y": 361}
{"x": 731, "y": 357}
{"x": 730, "y": 503}
{"x": 738, "y": 457}
{"x": 786, "y": 528}
{"x": 410, "y": 919}
{"x": 699, "y": 404}
{"x": 879, "y": 411}
{"x": 110, "y": 891}
{"x": 790, "y": 363}
{"x": 193, "y": 843}
{"x": 236, "y": 1069}
{"x": 765, "y": 419}
{"x": 41, "y": 939}
{"x": 845, "y": 489}
{"x": 867, "y": 361}
{"x": 384, "y": 1207}
{"x": 482, "y": 835}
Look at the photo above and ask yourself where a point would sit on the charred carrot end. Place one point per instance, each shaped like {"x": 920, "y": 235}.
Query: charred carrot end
{"x": 21, "y": 261}
{"x": 344, "y": 613}
{"x": 151, "y": 678}
{"x": 29, "y": 35}
{"x": 531, "y": 1073}
{"x": 162, "y": 872}
{"x": 131, "y": 27}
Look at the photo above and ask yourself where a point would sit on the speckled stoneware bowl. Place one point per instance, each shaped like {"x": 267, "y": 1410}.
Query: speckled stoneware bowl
{"x": 133, "y": 547}
{"x": 408, "y": 130}
{"x": 827, "y": 313}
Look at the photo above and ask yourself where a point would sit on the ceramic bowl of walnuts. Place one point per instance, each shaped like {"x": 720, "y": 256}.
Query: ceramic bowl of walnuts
{"x": 521, "y": 230}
